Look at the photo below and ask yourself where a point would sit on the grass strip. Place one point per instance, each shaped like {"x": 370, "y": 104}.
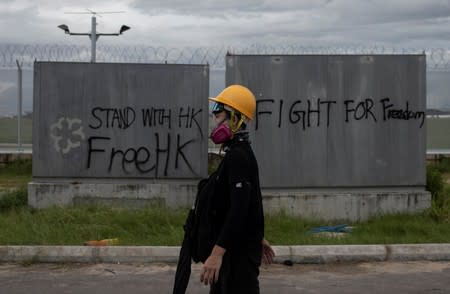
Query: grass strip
{"x": 21, "y": 225}
{"x": 15, "y": 175}
{"x": 74, "y": 226}
{"x": 160, "y": 226}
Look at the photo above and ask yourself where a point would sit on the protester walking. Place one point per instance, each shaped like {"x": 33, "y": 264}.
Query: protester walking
{"x": 240, "y": 247}
{"x": 225, "y": 227}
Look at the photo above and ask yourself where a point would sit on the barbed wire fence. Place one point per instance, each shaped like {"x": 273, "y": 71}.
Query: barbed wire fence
{"x": 13, "y": 55}
{"x": 438, "y": 59}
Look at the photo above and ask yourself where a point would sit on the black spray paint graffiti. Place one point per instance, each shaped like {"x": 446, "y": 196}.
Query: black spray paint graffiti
{"x": 296, "y": 114}
{"x": 142, "y": 158}
{"x": 403, "y": 114}
{"x": 123, "y": 118}
{"x": 362, "y": 110}
{"x": 163, "y": 117}
{"x": 305, "y": 112}
{"x": 169, "y": 149}
{"x": 152, "y": 117}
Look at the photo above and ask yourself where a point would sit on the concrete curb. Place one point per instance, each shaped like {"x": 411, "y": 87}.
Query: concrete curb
{"x": 169, "y": 254}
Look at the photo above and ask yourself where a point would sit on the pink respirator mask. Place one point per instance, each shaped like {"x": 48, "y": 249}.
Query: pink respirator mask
{"x": 221, "y": 134}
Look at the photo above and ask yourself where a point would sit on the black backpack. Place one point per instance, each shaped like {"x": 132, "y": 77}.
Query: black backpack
{"x": 200, "y": 222}
{"x": 199, "y": 232}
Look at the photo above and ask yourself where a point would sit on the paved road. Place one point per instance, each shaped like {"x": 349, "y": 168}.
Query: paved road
{"x": 383, "y": 277}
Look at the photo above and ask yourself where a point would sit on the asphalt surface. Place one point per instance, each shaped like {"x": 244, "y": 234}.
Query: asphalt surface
{"x": 375, "y": 277}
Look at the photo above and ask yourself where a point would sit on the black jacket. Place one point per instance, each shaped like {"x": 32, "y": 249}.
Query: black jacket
{"x": 238, "y": 211}
{"x": 239, "y": 220}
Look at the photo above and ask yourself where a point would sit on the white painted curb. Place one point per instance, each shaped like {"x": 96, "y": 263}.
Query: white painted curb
{"x": 169, "y": 254}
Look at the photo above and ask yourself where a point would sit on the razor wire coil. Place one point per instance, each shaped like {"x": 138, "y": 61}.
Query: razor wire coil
{"x": 438, "y": 59}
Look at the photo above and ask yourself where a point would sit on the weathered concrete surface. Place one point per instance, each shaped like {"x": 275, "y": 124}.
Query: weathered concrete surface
{"x": 121, "y": 134}
{"x": 112, "y": 120}
{"x": 353, "y": 206}
{"x": 419, "y": 252}
{"x": 377, "y": 277}
{"x": 297, "y": 254}
{"x": 340, "y": 123}
{"x": 168, "y": 193}
{"x": 345, "y": 205}
{"x": 336, "y": 120}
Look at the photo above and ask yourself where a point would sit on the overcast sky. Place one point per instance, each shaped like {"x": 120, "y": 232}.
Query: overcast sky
{"x": 391, "y": 23}
{"x": 410, "y": 24}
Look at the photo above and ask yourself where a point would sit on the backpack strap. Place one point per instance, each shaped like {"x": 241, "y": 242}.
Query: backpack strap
{"x": 219, "y": 169}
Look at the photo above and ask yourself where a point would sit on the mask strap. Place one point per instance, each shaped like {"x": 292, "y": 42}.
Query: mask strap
{"x": 233, "y": 122}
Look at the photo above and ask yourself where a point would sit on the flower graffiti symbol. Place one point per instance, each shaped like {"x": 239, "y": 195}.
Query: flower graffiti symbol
{"x": 67, "y": 134}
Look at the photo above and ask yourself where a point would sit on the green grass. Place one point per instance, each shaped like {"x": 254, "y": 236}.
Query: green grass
{"x": 15, "y": 175}
{"x": 161, "y": 226}
{"x": 13, "y": 199}
{"x": 389, "y": 229}
{"x": 74, "y": 226}
{"x": 8, "y": 130}
{"x": 443, "y": 166}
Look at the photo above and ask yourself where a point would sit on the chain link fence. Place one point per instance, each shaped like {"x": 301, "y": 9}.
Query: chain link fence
{"x": 438, "y": 59}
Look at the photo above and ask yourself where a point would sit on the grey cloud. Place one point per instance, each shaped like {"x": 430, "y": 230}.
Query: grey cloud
{"x": 28, "y": 26}
{"x": 221, "y": 8}
{"x": 376, "y": 12}
{"x": 348, "y": 12}
{"x": 306, "y": 21}
{"x": 232, "y": 22}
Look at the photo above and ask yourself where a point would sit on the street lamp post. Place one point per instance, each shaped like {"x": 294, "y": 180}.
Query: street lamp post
{"x": 19, "y": 107}
{"x": 94, "y": 38}
{"x": 93, "y": 35}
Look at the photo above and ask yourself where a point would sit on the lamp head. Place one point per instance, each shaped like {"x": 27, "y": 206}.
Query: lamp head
{"x": 65, "y": 28}
{"x": 123, "y": 28}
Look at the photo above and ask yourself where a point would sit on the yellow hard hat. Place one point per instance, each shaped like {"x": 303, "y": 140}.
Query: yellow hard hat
{"x": 238, "y": 97}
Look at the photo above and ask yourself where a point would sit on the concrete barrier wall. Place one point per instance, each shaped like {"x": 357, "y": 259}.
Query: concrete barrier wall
{"x": 337, "y": 121}
{"x": 120, "y": 121}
